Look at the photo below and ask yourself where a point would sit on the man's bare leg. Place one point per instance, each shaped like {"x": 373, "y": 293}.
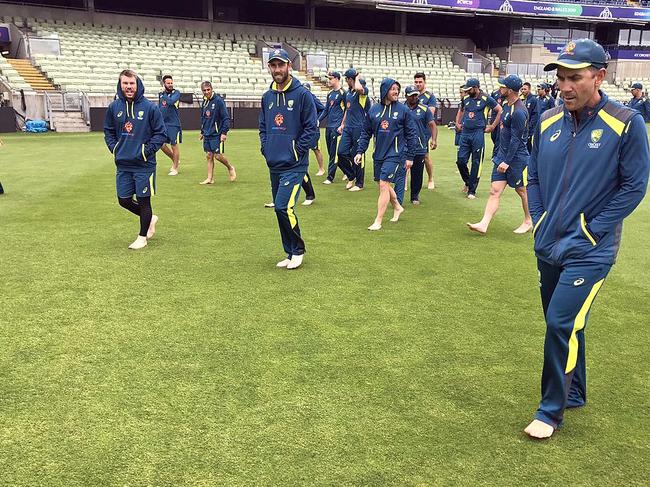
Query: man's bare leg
{"x": 428, "y": 165}
{"x": 527, "y": 225}
{"x": 176, "y": 157}
{"x": 319, "y": 160}
{"x": 382, "y": 204}
{"x": 231, "y": 169}
{"x": 397, "y": 208}
{"x": 168, "y": 151}
{"x": 539, "y": 429}
{"x": 210, "y": 158}
{"x": 496, "y": 189}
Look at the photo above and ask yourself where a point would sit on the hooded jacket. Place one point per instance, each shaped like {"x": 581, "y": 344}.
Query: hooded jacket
{"x": 288, "y": 127}
{"x": 395, "y": 130}
{"x": 134, "y": 131}
{"x": 215, "y": 119}
{"x": 584, "y": 179}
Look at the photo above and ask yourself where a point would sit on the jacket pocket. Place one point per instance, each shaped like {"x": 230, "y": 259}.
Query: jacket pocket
{"x": 280, "y": 150}
{"x": 539, "y": 222}
{"x": 585, "y": 231}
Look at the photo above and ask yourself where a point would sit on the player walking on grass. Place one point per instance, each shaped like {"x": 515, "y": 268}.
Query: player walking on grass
{"x": 320, "y": 108}
{"x": 134, "y": 131}
{"x": 427, "y": 139}
{"x": 396, "y": 142}
{"x": 334, "y": 110}
{"x": 588, "y": 171}
{"x": 511, "y": 158}
{"x": 215, "y": 123}
{"x": 288, "y": 131}
{"x": 168, "y": 101}
{"x": 429, "y": 100}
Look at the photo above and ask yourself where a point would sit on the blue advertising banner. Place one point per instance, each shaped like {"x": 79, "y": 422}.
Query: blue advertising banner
{"x": 5, "y": 35}
{"x": 622, "y": 53}
{"x": 544, "y": 9}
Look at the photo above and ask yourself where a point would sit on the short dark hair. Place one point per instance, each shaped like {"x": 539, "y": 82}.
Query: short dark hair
{"x": 205, "y": 84}
{"x": 129, "y": 73}
{"x": 420, "y": 75}
{"x": 526, "y": 84}
{"x": 166, "y": 77}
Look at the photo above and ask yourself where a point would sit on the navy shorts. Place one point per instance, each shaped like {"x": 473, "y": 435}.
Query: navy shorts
{"x": 174, "y": 135}
{"x": 386, "y": 170}
{"x": 514, "y": 175}
{"x": 213, "y": 145}
{"x": 141, "y": 184}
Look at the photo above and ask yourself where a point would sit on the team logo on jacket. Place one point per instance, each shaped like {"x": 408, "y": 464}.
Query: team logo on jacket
{"x": 140, "y": 114}
{"x": 595, "y": 137}
{"x": 471, "y": 115}
{"x": 332, "y": 103}
{"x": 207, "y": 113}
{"x": 384, "y": 124}
{"x": 349, "y": 104}
{"x": 290, "y": 105}
{"x": 555, "y": 136}
{"x": 128, "y": 126}
{"x": 279, "y": 119}
{"x": 164, "y": 103}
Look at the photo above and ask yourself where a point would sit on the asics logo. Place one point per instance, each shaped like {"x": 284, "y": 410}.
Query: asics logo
{"x": 555, "y": 136}
{"x": 579, "y": 281}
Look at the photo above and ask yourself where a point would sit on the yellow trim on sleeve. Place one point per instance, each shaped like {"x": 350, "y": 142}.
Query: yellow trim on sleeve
{"x": 578, "y": 325}
{"x": 539, "y": 222}
{"x": 550, "y": 121}
{"x": 615, "y": 124}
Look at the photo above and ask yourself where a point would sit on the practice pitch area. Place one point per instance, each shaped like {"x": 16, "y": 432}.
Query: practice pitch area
{"x": 409, "y": 356}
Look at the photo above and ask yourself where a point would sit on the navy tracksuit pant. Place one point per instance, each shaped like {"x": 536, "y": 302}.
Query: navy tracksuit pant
{"x": 285, "y": 187}
{"x": 307, "y": 185}
{"x": 346, "y": 152}
{"x": 331, "y": 140}
{"x": 472, "y": 143}
{"x": 567, "y": 295}
{"x": 417, "y": 174}
{"x": 494, "y": 135}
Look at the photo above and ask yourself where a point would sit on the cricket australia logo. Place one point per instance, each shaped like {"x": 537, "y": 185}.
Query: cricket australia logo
{"x": 290, "y": 105}
{"x": 595, "y": 138}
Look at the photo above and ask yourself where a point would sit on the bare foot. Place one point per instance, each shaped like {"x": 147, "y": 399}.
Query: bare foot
{"x": 320, "y": 172}
{"x": 524, "y": 228}
{"x": 539, "y": 429}
{"x": 374, "y": 227}
{"x": 431, "y": 185}
{"x": 207, "y": 181}
{"x": 349, "y": 185}
{"x": 396, "y": 214}
{"x": 477, "y": 227}
{"x": 465, "y": 189}
{"x": 232, "y": 173}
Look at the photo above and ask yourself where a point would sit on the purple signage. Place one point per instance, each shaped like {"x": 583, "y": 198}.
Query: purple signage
{"x": 638, "y": 54}
{"x": 5, "y": 35}
{"x": 544, "y": 9}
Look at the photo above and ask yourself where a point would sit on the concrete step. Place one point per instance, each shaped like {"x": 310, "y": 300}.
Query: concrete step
{"x": 69, "y": 122}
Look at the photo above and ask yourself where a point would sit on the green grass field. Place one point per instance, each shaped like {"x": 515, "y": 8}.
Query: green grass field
{"x": 410, "y": 356}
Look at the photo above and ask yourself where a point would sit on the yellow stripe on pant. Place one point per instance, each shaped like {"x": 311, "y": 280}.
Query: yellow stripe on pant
{"x": 292, "y": 202}
{"x": 578, "y": 325}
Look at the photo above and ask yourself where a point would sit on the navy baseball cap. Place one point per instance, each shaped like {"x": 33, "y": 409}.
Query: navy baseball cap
{"x": 471, "y": 83}
{"x": 351, "y": 73}
{"x": 512, "y": 82}
{"x": 334, "y": 74}
{"x": 637, "y": 86}
{"x": 307, "y": 85}
{"x": 580, "y": 54}
{"x": 411, "y": 90}
{"x": 280, "y": 54}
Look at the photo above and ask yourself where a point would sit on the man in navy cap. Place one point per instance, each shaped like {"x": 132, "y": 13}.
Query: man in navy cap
{"x": 427, "y": 138}
{"x": 511, "y": 158}
{"x": 639, "y": 102}
{"x": 334, "y": 110}
{"x": 587, "y": 172}
{"x": 471, "y": 119}
{"x": 288, "y": 130}
{"x": 544, "y": 101}
{"x": 357, "y": 105}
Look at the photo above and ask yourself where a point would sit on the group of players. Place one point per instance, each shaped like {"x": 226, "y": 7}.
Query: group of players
{"x": 587, "y": 161}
